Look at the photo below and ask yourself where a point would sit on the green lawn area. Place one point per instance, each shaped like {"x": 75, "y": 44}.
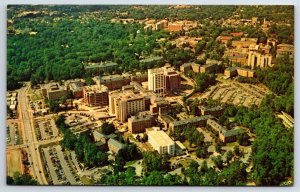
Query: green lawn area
{"x": 186, "y": 143}
{"x": 36, "y": 97}
{"x": 186, "y": 162}
{"x": 129, "y": 163}
{"x": 232, "y": 144}
{"x": 231, "y": 119}
{"x": 86, "y": 180}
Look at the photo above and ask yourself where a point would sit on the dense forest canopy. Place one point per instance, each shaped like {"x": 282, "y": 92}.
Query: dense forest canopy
{"x": 55, "y": 42}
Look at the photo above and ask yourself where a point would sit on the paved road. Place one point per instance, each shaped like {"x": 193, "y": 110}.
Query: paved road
{"x": 30, "y": 139}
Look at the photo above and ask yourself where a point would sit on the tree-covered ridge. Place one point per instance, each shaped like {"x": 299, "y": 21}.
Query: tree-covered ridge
{"x": 60, "y": 49}
{"x": 173, "y": 12}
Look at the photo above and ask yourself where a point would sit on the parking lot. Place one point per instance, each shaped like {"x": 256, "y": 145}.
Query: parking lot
{"x": 45, "y": 129}
{"x": 236, "y": 93}
{"x": 12, "y": 134}
{"x": 59, "y": 168}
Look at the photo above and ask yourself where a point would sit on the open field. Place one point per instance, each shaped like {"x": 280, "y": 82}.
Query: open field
{"x": 13, "y": 162}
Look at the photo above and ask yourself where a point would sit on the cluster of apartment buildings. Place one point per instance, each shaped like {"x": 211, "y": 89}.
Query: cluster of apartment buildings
{"x": 12, "y": 101}
{"x": 225, "y": 135}
{"x": 175, "y": 26}
{"x": 248, "y": 52}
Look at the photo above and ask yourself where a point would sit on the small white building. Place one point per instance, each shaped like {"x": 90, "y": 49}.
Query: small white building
{"x": 161, "y": 142}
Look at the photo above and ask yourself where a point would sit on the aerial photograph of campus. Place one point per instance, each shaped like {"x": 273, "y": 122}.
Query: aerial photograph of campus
{"x": 150, "y": 95}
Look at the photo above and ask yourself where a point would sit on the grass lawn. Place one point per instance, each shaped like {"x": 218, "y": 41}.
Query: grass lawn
{"x": 186, "y": 162}
{"x": 86, "y": 180}
{"x": 129, "y": 163}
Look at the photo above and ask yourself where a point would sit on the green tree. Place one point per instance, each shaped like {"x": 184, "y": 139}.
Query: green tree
{"x": 107, "y": 128}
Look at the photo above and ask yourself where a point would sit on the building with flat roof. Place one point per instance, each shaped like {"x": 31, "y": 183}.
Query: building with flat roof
{"x": 230, "y": 72}
{"x": 234, "y": 71}
{"x": 161, "y": 25}
{"x": 208, "y": 68}
{"x": 285, "y": 49}
{"x": 76, "y": 89}
{"x": 214, "y": 111}
{"x": 125, "y": 103}
{"x": 244, "y": 72}
{"x": 162, "y": 79}
{"x": 139, "y": 123}
{"x": 95, "y": 96}
{"x": 152, "y": 59}
{"x": 175, "y": 27}
{"x": 161, "y": 142}
{"x": 216, "y": 127}
{"x": 224, "y": 39}
{"x": 225, "y": 135}
{"x": 244, "y": 42}
{"x": 228, "y": 136}
{"x": 113, "y": 82}
{"x": 186, "y": 67}
{"x": 114, "y": 145}
{"x": 195, "y": 121}
{"x": 180, "y": 148}
{"x": 101, "y": 66}
{"x": 54, "y": 91}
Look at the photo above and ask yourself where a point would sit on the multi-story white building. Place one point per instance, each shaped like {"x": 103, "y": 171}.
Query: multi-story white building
{"x": 157, "y": 81}
{"x": 161, "y": 142}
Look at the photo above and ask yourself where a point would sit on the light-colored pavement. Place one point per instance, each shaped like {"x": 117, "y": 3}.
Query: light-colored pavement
{"x": 51, "y": 168}
{"x": 30, "y": 139}
{"x": 65, "y": 166}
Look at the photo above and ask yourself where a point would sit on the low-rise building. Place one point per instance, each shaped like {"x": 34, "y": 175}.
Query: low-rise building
{"x": 186, "y": 67}
{"x": 195, "y": 121}
{"x": 161, "y": 142}
{"x": 224, "y": 39}
{"x": 214, "y": 111}
{"x": 102, "y": 137}
{"x": 161, "y": 25}
{"x": 113, "y": 82}
{"x": 114, "y": 145}
{"x": 237, "y": 34}
{"x": 175, "y": 27}
{"x": 230, "y": 72}
{"x": 180, "y": 148}
{"x": 138, "y": 124}
{"x": 215, "y": 126}
{"x": 244, "y": 42}
{"x": 54, "y": 91}
{"x": 285, "y": 49}
{"x": 208, "y": 68}
{"x": 101, "y": 66}
{"x": 244, "y": 72}
{"x": 234, "y": 71}
{"x": 228, "y": 136}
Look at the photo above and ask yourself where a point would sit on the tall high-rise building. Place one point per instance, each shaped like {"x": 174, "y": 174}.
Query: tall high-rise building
{"x": 125, "y": 103}
{"x": 162, "y": 79}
